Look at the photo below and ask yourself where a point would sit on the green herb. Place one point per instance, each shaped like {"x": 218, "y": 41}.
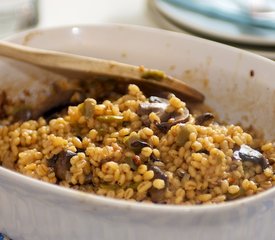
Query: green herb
{"x": 239, "y": 194}
{"x": 88, "y": 108}
{"x": 183, "y": 135}
{"x": 131, "y": 163}
{"x": 153, "y": 74}
{"x": 109, "y": 186}
{"x": 110, "y": 119}
{"x": 81, "y": 108}
{"x": 102, "y": 131}
{"x": 134, "y": 185}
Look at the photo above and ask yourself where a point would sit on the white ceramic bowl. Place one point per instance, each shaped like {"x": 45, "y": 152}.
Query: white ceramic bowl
{"x": 237, "y": 84}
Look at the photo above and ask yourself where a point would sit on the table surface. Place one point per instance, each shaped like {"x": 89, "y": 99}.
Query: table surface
{"x": 75, "y": 12}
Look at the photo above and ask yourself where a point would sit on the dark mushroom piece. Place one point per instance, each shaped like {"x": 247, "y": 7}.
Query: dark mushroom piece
{"x": 159, "y": 106}
{"x": 178, "y": 118}
{"x": 153, "y": 158}
{"x": 154, "y": 99}
{"x": 158, "y": 195}
{"x": 246, "y": 153}
{"x": 155, "y": 104}
{"x": 205, "y": 119}
{"x": 61, "y": 163}
{"x": 135, "y": 144}
{"x": 139, "y": 144}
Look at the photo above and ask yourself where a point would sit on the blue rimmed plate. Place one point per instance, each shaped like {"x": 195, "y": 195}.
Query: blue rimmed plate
{"x": 216, "y": 28}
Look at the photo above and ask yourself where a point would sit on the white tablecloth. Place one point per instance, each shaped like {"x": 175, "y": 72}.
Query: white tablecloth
{"x": 70, "y": 12}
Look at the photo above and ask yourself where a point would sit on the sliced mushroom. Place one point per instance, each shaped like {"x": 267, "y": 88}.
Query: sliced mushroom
{"x": 159, "y": 106}
{"x": 130, "y": 139}
{"x": 177, "y": 118}
{"x": 61, "y": 163}
{"x": 155, "y": 104}
{"x": 146, "y": 108}
{"x": 205, "y": 119}
{"x": 135, "y": 144}
{"x": 158, "y": 195}
{"x": 153, "y": 158}
{"x": 154, "y": 99}
{"x": 246, "y": 153}
{"x": 139, "y": 144}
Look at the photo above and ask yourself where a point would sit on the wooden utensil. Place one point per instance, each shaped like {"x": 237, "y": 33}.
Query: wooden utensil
{"x": 80, "y": 66}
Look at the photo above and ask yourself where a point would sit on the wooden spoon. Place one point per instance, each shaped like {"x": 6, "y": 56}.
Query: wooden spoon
{"x": 79, "y": 66}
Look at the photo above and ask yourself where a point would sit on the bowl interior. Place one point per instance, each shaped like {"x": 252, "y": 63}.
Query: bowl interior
{"x": 237, "y": 85}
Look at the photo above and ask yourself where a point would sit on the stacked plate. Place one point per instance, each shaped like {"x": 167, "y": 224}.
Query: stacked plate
{"x": 177, "y": 17}
{"x": 3, "y": 237}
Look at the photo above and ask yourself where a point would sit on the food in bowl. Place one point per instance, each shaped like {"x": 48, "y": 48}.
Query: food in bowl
{"x": 134, "y": 147}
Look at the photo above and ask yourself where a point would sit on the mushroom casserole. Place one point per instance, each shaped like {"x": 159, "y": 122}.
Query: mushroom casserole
{"x": 146, "y": 149}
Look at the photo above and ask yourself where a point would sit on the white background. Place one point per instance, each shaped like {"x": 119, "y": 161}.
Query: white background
{"x": 73, "y": 12}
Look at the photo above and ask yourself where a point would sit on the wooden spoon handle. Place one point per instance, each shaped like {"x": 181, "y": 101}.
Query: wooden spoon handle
{"x": 87, "y": 66}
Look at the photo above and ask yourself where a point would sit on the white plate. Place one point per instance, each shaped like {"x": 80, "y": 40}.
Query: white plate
{"x": 216, "y": 28}
{"x": 166, "y": 23}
